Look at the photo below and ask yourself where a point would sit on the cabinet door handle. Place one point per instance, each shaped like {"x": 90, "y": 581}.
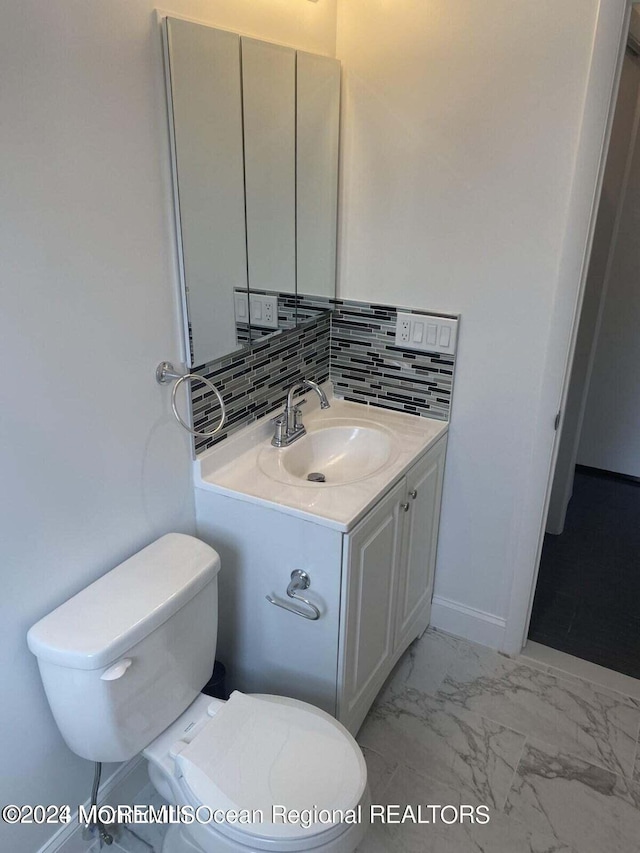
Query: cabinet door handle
{"x": 413, "y": 494}
{"x": 405, "y": 507}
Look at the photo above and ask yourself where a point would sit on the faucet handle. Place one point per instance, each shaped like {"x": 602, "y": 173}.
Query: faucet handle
{"x": 297, "y": 412}
{"x": 280, "y": 434}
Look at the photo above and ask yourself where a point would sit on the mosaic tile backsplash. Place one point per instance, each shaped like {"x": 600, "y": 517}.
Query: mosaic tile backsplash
{"x": 367, "y": 367}
{"x": 354, "y": 345}
{"x": 254, "y": 382}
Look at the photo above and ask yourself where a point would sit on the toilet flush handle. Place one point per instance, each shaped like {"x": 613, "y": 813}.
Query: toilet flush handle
{"x": 116, "y": 670}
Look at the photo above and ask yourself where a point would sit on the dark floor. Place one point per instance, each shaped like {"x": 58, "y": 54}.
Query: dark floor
{"x": 587, "y": 600}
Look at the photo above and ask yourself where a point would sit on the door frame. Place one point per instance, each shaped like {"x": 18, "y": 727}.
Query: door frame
{"x": 568, "y": 443}
{"x": 607, "y": 55}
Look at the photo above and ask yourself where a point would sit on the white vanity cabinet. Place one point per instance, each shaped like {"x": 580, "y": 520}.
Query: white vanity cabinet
{"x": 265, "y": 648}
{"x": 388, "y": 583}
{"x": 371, "y": 584}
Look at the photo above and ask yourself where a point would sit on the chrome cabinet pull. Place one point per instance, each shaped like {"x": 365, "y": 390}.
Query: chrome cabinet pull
{"x": 405, "y": 507}
{"x": 413, "y": 494}
{"x": 299, "y": 580}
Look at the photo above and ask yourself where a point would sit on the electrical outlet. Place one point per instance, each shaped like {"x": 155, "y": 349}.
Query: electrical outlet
{"x": 404, "y": 324}
{"x": 269, "y": 311}
{"x": 263, "y": 311}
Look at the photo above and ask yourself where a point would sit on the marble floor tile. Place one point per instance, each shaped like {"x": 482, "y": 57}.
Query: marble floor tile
{"x": 551, "y": 754}
{"x": 582, "y": 805}
{"x": 562, "y": 664}
{"x": 594, "y": 724}
{"x": 475, "y": 756}
{"x": 143, "y": 838}
{"x": 505, "y": 835}
{"x": 380, "y": 770}
{"x": 127, "y": 841}
{"x": 501, "y": 835}
{"x": 408, "y": 788}
{"x": 145, "y": 834}
{"x": 425, "y": 663}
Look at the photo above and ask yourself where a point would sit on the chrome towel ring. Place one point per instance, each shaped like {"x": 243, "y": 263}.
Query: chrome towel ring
{"x": 299, "y": 580}
{"x": 165, "y": 372}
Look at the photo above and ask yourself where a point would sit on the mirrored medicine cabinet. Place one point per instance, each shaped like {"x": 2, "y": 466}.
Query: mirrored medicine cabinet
{"x": 254, "y": 141}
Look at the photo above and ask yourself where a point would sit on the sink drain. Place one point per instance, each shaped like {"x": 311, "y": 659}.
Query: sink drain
{"x": 316, "y": 477}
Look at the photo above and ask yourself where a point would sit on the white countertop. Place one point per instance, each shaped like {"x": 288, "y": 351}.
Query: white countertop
{"x": 234, "y": 468}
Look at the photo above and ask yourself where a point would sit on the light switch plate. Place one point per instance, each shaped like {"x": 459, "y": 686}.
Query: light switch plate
{"x": 426, "y": 332}
{"x": 241, "y": 301}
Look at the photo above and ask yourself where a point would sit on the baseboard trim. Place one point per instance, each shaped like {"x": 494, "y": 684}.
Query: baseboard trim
{"x": 119, "y": 789}
{"x": 462, "y": 621}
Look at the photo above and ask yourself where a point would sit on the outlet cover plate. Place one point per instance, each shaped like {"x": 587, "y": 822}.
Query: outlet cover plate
{"x": 258, "y": 308}
{"x": 426, "y": 332}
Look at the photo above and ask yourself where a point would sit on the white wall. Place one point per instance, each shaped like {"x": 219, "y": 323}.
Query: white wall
{"x": 463, "y": 121}
{"x": 610, "y": 438}
{"x": 92, "y": 465}
{"x": 462, "y": 124}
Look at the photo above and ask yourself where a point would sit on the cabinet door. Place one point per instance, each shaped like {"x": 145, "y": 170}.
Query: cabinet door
{"x": 419, "y": 542}
{"x": 371, "y": 555}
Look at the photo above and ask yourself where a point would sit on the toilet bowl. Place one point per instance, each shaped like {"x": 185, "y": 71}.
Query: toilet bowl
{"x": 123, "y": 663}
{"x": 238, "y": 760}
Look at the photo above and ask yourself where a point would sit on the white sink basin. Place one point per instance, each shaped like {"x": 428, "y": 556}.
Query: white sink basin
{"x": 343, "y": 452}
{"x": 361, "y": 450}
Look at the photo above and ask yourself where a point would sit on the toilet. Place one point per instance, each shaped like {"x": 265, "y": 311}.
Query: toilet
{"x": 123, "y": 663}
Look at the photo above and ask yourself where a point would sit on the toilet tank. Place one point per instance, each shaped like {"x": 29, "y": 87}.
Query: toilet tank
{"x": 124, "y": 657}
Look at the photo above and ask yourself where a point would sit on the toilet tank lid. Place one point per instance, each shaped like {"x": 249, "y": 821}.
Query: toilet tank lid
{"x": 107, "y": 618}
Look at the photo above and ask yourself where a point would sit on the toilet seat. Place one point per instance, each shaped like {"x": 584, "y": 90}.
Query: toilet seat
{"x": 261, "y": 751}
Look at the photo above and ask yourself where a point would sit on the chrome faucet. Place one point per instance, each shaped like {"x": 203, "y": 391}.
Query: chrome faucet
{"x": 288, "y": 425}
